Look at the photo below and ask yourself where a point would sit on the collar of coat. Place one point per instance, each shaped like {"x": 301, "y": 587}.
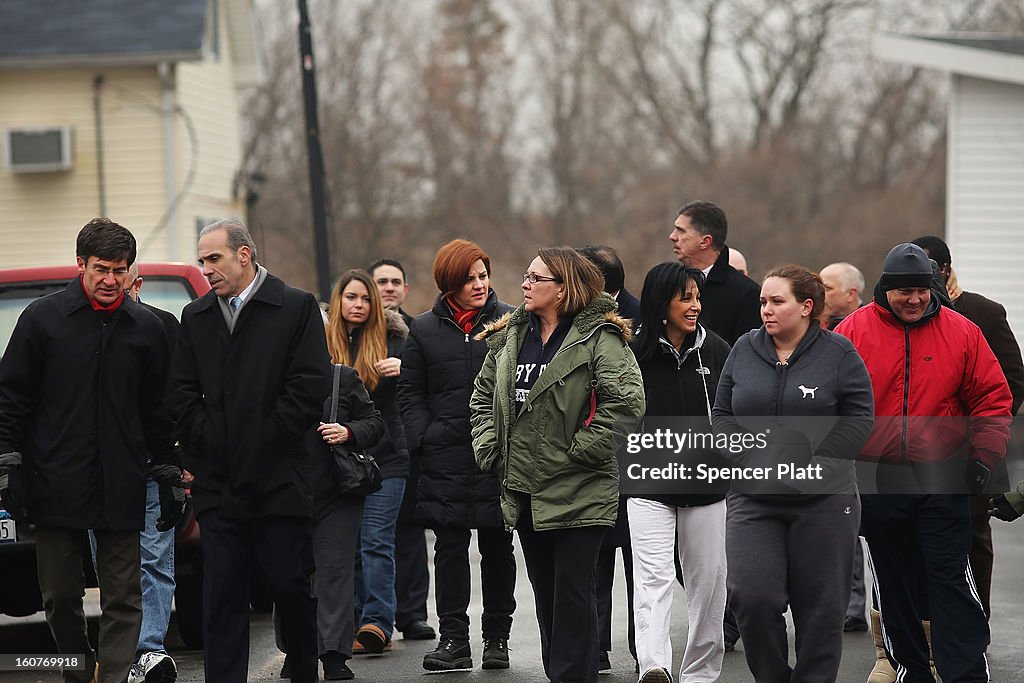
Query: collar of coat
{"x": 75, "y": 298}
{"x": 601, "y": 311}
{"x": 270, "y": 292}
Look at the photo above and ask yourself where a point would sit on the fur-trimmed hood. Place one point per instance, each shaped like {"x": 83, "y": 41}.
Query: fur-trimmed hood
{"x": 395, "y": 324}
{"x": 603, "y": 309}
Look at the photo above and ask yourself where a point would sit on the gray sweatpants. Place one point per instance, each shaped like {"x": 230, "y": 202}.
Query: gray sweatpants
{"x": 797, "y": 554}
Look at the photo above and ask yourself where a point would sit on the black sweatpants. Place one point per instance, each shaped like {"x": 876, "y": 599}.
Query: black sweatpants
{"x": 562, "y": 564}
{"x": 906, "y": 533}
{"x": 283, "y": 547}
{"x": 452, "y": 581}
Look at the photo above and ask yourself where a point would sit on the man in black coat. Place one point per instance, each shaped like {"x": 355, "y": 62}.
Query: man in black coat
{"x": 731, "y": 300}
{"x": 608, "y": 262}
{"x": 250, "y": 375}
{"x": 81, "y": 412}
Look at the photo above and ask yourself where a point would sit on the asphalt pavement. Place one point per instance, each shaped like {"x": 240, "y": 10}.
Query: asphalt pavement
{"x": 403, "y": 663}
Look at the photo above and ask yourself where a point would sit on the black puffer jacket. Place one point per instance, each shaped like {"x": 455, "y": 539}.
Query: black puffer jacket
{"x": 439, "y": 364}
{"x": 391, "y": 452}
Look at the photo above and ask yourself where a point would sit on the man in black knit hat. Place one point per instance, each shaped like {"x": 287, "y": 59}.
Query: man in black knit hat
{"x": 930, "y": 368}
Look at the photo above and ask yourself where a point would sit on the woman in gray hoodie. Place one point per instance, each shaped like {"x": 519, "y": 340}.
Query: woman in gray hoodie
{"x": 793, "y": 511}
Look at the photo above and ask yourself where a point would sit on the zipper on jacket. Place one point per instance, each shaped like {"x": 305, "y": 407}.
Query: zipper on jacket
{"x": 906, "y": 393}
{"x": 783, "y": 369}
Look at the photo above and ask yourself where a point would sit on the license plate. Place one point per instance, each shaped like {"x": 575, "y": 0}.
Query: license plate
{"x": 8, "y": 531}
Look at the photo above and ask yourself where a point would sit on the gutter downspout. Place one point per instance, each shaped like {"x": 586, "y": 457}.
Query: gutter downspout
{"x": 167, "y": 108}
{"x": 97, "y": 102}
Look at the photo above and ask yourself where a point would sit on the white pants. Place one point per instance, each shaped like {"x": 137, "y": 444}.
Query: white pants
{"x": 653, "y": 529}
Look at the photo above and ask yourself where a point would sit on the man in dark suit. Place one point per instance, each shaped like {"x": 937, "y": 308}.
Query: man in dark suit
{"x": 610, "y": 265}
{"x": 250, "y": 376}
{"x": 991, "y": 318}
{"x": 607, "y": 259}
{"x": 730, "y": 299}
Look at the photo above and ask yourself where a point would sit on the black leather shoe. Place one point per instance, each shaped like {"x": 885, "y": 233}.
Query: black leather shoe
{"x": 418, "y": 630}
{"x": 336, "y": 667}
{"x": 851, "y": 624}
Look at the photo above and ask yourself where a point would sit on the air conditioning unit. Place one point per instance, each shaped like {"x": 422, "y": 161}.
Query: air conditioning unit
{"x": 38, "y": 150}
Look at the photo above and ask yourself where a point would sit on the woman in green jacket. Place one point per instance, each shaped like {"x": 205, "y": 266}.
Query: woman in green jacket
{"x": 558, "y": 391}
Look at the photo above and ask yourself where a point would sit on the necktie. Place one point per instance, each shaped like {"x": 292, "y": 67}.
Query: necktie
{"x": 235, "y": 302}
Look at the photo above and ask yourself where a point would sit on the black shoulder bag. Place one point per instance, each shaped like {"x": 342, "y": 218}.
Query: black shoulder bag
{"x": 356, "y": 472}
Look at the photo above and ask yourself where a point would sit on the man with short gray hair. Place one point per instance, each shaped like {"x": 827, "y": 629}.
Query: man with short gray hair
{"x": 250, "y": 377}
{"x": 844, "y": 288}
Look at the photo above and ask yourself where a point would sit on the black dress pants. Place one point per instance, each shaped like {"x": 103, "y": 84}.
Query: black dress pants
{"x": 412, "y": 576}
{"x": 452, "y": 581}
{"x": 906, "y": 533}
{"x": 283, "y": 548}
{"x": 562, "y": 564}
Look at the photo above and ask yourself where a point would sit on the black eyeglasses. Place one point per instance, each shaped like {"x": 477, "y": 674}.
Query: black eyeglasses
{"x": 533, "y": 278}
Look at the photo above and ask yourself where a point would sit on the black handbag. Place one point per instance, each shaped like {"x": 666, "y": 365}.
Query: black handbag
{"x": 356, "y": 472}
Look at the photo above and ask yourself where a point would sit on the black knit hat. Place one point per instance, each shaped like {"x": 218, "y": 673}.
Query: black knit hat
{"x": 907, "y": 265}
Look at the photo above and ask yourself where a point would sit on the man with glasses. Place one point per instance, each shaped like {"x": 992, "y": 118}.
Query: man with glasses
{"x": 74, "y": 451}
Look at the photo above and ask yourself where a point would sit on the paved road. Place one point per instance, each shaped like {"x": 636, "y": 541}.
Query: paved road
{"x": 1006, "y": 655}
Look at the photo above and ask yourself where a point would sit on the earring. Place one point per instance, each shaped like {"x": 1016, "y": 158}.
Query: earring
{"x": 664, "y": 321}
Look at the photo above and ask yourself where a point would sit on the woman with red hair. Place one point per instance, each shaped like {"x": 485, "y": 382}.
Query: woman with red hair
{"x": 439, "y": 364}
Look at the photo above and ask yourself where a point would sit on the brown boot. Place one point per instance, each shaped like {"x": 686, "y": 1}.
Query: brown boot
{"x": 882, "y": 671}
{"x": 928, "y": 637}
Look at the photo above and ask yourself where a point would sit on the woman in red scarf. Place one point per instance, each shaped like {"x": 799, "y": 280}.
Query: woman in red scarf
{"x": 440, "y": 361}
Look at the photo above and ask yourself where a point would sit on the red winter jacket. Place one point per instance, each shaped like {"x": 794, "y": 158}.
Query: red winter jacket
{"x": 940, "y": 367}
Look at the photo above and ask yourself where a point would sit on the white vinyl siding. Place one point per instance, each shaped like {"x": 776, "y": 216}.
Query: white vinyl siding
{"x": 206, "y": 93}
{"x": 43, "y": 212}
{"x": 985, "y": 193}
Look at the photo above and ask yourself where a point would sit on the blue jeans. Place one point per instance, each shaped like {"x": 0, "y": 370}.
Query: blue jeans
{"x": 375, "y": 571}
{"x": 157, "y": 575}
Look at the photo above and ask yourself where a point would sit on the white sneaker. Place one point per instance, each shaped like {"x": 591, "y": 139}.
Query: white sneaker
{"x": 153, "y": 667}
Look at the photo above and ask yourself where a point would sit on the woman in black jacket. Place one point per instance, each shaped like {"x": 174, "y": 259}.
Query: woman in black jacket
{"x": 681, "y": 362}
{"x": 361, "y": 334}
{"x": 336, "y": 521}
{"x": 439, "y": 364}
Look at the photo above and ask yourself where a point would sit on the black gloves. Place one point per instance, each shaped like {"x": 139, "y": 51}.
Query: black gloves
{"x": 10, "y": 498}
{"x": 976, "y": 475}
{"x": 1001, "y": 508}
{"x": 1008, "y": 506}
{"x": 172, "y": 495}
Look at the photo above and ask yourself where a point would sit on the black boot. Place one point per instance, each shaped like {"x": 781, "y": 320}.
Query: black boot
{"x": 450, "y": 655}
{"x": 495, "y": 653}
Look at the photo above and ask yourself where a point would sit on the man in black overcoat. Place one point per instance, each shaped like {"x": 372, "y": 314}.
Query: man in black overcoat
{"x": 81, "y": 412}
{"x": 250, "y": 376}
{"x": 730, "y": 300}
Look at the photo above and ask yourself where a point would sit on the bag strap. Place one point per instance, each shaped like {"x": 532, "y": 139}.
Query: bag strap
{"x": 334, "y": 393}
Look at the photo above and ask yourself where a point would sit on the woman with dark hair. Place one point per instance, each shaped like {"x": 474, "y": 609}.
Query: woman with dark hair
{"x": 681, "y": 363}
{"x": 365, "y": 336}
{"x": 440, "y": 362}
{"x": 789, "y": 542}
{"x": 558, "y": 391}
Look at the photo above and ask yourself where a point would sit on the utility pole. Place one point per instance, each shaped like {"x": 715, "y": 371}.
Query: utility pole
{"x": 316, "y": 159}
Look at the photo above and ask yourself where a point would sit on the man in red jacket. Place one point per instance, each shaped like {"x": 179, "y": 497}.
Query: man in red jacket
{"x": 930, "y": 368}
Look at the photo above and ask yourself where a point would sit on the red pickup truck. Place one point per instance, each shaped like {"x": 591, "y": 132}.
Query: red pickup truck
{"x": 170, "y": 286}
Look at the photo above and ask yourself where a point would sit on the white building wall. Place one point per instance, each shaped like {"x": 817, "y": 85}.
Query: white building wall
{"x": 985, "y": 191}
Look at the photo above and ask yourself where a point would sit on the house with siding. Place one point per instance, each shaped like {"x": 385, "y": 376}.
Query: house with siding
{"x": 985, "y": 159}
{"x": 123, "y": 108}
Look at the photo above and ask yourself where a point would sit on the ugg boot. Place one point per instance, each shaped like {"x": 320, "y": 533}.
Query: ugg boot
{"x": 928, "y": 637}
{"x": 882, "y": 671}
